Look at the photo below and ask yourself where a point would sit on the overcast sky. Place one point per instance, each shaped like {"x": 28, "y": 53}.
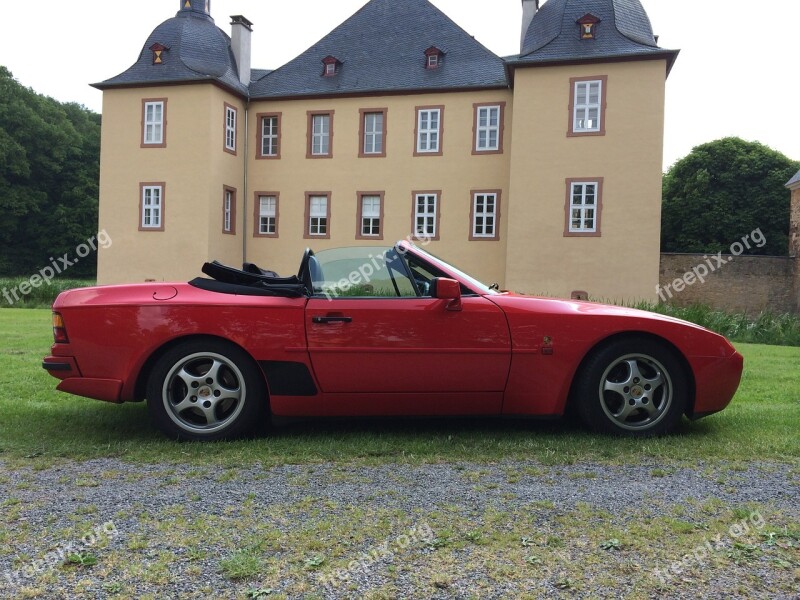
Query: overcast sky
{"x": 737, "y": 73}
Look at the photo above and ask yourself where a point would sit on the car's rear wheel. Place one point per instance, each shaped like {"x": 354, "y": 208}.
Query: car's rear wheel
{"x": 633, "y": 386}
{"x": 206, "y": 390}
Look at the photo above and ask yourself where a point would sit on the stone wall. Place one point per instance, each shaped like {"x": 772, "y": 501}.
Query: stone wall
{"x": 748, "y": 284}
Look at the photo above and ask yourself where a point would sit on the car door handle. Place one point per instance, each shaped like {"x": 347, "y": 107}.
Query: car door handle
{"x": 331, "y": 319}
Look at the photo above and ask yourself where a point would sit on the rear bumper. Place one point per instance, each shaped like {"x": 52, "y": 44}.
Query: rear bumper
{"x": 66, "y": 369}
{"x": 717, "y": 380}
{"x": 61, "y": 367}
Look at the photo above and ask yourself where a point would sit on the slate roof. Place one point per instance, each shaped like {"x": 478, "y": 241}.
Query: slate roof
{"x": 381, "y": 49}
{"x": 198, "y": 51}
{"x": 794, "y": 180}
{"x": 624, "y": 32}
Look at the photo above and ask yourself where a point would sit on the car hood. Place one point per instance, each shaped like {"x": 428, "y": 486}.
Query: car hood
{"x": 591, "y": 322}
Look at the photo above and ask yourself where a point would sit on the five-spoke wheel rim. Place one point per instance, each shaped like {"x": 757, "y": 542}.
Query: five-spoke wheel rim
{"x": 636, "y": 392}
{"x": 203, "y": 392}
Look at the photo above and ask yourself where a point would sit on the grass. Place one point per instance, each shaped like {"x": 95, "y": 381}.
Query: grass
{"x": 38, "y": 297}
{"x": 42, "y": 426}
{"x": 520, "y": 547}
{"x": 284, "y": 551}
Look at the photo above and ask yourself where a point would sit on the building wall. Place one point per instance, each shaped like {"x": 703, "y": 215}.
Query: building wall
{"x": 455, "y": 173}
{"x": 193, "y": 167}
{"x": 622, "y": 263}
{"x": 530, "y": 175}
{"x": 794, "y": 242}
{"x": 794, "y": 223}
{"x": 749, "y": 284}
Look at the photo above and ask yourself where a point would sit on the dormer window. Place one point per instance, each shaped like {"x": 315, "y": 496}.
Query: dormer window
{"x": 433, "y": 58}
{"x": 588, "y": 24}
{"x": 331, "y": 66}
{"x": 158, "y": 53}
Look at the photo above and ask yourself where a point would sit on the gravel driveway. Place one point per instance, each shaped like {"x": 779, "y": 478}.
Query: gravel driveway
{"x": 455, "y": 530}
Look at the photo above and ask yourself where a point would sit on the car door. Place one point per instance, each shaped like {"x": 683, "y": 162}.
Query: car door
{"x": 405, "y": 344}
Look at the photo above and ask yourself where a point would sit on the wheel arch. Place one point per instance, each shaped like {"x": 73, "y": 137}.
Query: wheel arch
{"x": 628, "y": 335}
{"x": 147, "y": 367}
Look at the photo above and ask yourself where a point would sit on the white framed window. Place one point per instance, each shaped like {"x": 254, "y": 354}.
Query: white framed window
{"x": 429, "y": 130}
{"x": 230, "y": 129}
{"x": 584, "y": 206}
{"x": 153, "y": 125}
{"x": 268, "y": 215}
{"x": 485, "y": 211}
{"x": 228, "y": 210}
{"x": 370, "y": 216}
{"x": 487, "y": 128}
{"x": 152, "y": 207}
{"x": 426, "y": 211}
{"x": 318, "y": 216}
{"x": 330, "y": 69}
{"x": 373, "y": 133}
{"x": 587, "y": 105}
{"x": 320, "y": 134}
{"x": 270, "y": 136}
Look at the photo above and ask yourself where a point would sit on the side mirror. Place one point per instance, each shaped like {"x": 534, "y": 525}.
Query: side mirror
{"x": 447, "y": 289}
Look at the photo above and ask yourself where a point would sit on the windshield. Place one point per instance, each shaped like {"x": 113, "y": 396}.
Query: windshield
{"x": 374, "y": 271}
{"x": 468, "y": 279}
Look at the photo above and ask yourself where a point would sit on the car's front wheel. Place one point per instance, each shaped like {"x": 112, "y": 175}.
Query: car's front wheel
{"x": 206, "y": 390}
{"x": 632, "y": 386}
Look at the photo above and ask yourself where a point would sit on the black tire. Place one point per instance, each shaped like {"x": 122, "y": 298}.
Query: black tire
{"x": 632, "y": 386}
{"x": 206, "y": 390}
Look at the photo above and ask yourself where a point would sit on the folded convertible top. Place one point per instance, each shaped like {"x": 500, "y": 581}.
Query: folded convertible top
{"x": 228, "y": 280}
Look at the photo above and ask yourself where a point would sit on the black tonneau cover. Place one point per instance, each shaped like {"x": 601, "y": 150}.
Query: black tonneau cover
{"x": 228, "y": 280}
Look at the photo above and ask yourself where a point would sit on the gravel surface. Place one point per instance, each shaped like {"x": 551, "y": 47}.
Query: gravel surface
{"x": 145, "y": 517}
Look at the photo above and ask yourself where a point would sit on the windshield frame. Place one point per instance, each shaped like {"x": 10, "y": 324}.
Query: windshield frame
{"x": 477, "y": 286}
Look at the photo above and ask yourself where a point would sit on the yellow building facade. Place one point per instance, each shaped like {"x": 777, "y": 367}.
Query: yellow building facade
{"x": 540, "y": 172}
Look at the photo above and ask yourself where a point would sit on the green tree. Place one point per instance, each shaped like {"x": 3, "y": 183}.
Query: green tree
{"x": 49, "y": 171}
{"x": 722, "y": 191}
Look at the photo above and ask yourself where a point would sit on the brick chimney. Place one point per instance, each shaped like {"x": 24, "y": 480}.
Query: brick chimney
{"x": 241, "y": 33}
{"x": 529, "y": 9}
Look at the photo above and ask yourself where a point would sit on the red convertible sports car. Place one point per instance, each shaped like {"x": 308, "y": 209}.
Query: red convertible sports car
{"x": 368, "y": 331}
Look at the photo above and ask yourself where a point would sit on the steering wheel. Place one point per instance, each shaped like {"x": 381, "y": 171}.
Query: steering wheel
{"x": 423, "y": 284}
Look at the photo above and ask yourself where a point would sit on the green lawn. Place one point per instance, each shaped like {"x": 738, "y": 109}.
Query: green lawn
{"x": 40, "y": 425}
{"x": 527, "y": 544}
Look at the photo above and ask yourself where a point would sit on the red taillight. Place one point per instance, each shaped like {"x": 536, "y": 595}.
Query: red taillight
{"x": 59, "y": 330}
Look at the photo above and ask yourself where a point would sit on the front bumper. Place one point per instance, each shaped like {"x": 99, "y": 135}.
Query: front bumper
{"x": 716, "y": 382}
